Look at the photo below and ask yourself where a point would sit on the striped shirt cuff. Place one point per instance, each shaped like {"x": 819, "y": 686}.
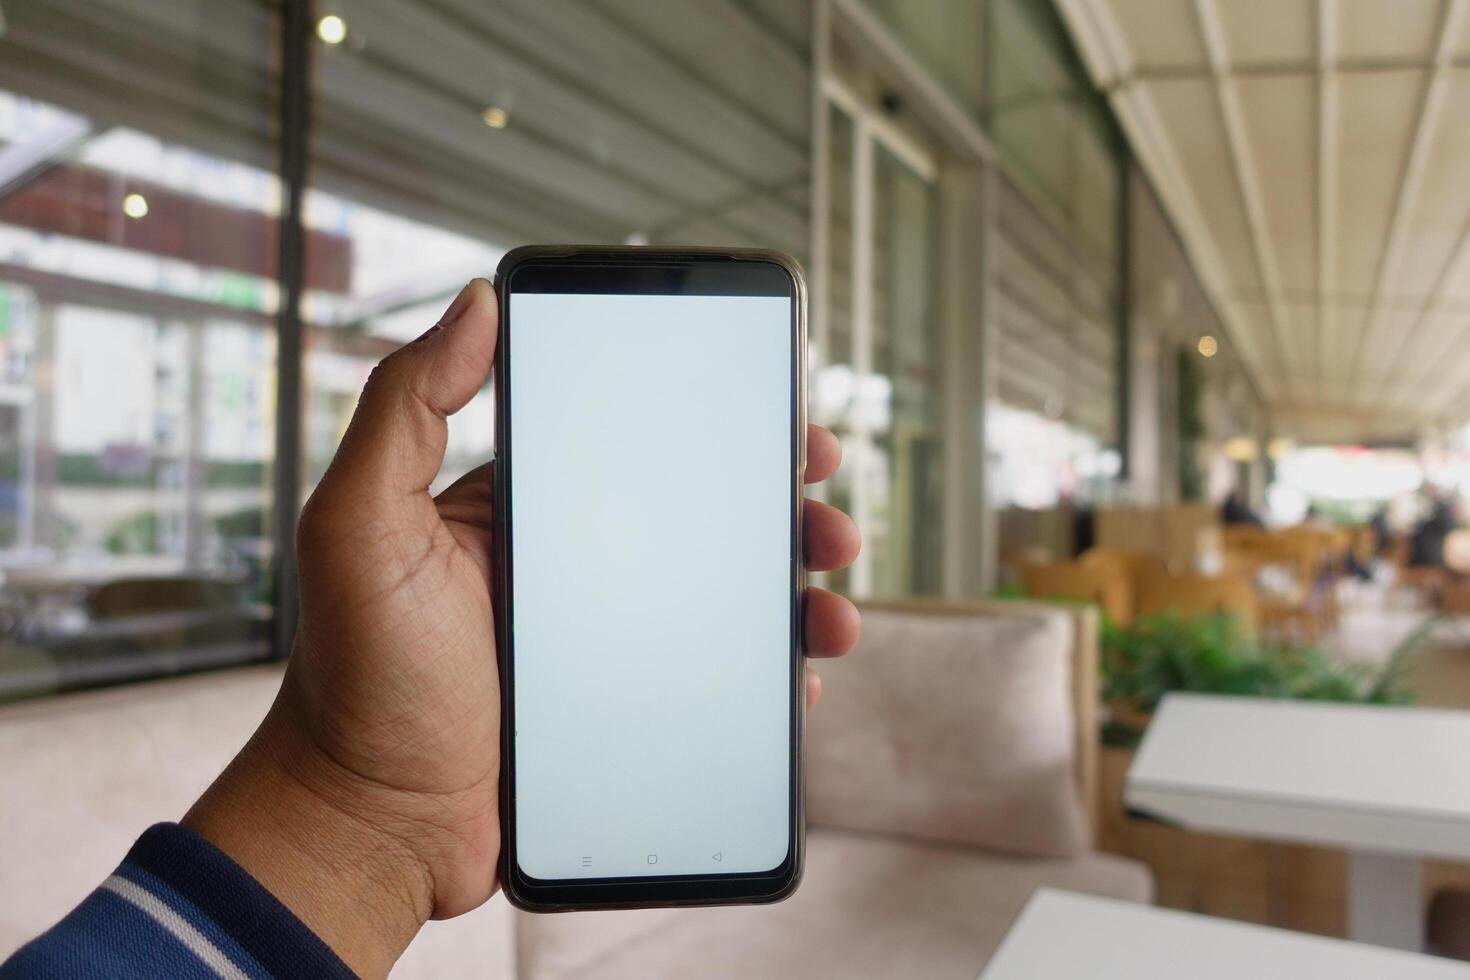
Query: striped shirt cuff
{"x": 177, "y": 906}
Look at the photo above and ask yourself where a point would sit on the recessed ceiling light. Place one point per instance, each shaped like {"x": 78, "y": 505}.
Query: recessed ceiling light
{"x": 331, "y": 29}
{"x": 135, "y": 206}
{"x": 495, "y": 117}
{"x": 1208, "y": 346}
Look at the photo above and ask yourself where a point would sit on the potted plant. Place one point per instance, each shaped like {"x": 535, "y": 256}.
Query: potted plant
{"x": 1211, "y": 654}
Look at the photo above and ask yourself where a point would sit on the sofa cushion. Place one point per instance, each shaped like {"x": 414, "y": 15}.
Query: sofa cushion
{"x": 870, "y": 906}
{"x": 951, "y": 727}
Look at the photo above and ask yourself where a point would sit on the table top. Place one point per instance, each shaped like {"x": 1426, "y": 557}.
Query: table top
{"x": 1062, "y": 934}
{"x": 1366, "y": 777}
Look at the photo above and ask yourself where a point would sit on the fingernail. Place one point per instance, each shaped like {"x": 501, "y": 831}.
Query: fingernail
{"x": 457, "y": 308}
{"x": 455, "y": 311}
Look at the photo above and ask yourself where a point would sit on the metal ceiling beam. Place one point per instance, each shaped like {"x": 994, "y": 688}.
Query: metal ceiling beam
{"x": 1411, "y": 179}
{"x": 1296, "y": 68}
{"x": 1100, "y": 43}
{"x": 1327, "y": 128}
{"x": 1237, "y": 138}
{"x": 1347, "y": 299}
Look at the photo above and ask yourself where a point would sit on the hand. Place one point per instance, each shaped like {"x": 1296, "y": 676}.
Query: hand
{"x": 367, "y": 800}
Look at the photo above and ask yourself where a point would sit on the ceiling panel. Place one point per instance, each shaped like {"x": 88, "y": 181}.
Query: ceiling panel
{"x": 1159, "y": 35}
{"x": 1190, "y": 113}
{"x": 1443, "y": 206}
{"x": 1316, "y": 167}
{"x": 1380, "y": 111}
{"x": 1442, "y": 342}
{"x": 1386, "y": 30}
{"x": 1381, "y": 345}
{"x": 1278, "y": 110}
{"x": 1259, "y": 32}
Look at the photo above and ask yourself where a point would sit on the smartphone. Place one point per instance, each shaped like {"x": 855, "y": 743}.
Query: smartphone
{"x": 651, "y": 435}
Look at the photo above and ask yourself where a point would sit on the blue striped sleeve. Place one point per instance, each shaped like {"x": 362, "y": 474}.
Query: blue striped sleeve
{"x": 176, "y": 907}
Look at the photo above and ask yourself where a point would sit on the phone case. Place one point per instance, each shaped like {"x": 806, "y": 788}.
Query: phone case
{"x": 592, "y": 254}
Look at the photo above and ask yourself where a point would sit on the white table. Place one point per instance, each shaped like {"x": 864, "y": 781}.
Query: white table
{"x": 1061, "y": 935}
{"x": 1388, "y": 784}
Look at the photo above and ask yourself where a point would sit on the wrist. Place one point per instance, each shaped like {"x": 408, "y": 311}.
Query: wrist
{"x": 333, "y": 848}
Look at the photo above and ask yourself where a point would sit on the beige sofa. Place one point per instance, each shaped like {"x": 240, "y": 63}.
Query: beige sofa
{"x": 954, "y": 747}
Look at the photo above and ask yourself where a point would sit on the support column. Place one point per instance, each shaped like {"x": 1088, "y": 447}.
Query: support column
{"x": 962, "y": 297}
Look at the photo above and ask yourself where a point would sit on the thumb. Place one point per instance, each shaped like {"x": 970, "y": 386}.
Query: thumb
{"x": 396, "y": 440}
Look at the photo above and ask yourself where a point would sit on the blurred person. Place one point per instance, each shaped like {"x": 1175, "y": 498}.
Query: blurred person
{"x": 365, "y": 804}
{"x": 1369, "y": 542}
{"x": 1382, "y": 532}
{"x": 1426, "y": 542}
{"x": 1236, "y": 511}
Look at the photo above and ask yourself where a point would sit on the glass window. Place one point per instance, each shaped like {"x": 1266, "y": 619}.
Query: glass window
{"x": 447, "y": 134}
{"x": 138, "y": 292}
{"x": 1053, "y": 433}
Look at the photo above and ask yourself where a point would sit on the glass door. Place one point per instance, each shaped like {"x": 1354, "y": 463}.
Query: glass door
{"x": 877, "y": 377}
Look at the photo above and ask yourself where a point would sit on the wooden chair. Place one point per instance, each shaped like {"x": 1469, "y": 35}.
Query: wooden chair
{"x": 1132, "y": 566}
{"x": 1190, "y": 594}
{"x": 1078, "y": 580}
{"x": 1319, "y": 564}
{"x": 1243, "y": 536}
{"x": 1301, "y": 610}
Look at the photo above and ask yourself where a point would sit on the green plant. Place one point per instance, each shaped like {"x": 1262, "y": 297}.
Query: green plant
{"x": 136, "y": 534}
{"x": 249, "y": 522}
{"x": 1211, "y": 654}
{"x": 1008, "y": 590}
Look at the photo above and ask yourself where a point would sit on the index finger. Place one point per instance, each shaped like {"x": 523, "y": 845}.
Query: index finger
{"x": 823, "y": 454}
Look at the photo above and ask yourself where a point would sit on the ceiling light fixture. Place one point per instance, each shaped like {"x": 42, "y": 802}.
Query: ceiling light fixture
{"x": 135, "y": 206}
{"x": 495, "y": 117}
{"x": 1242, "y": 449}
{"x": 331, "y": 29}
{"x": 1208, "y": 346}
{"x": 1279, "y": 447}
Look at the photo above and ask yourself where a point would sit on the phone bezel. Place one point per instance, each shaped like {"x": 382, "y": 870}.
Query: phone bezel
{"x": 644, "y": 270}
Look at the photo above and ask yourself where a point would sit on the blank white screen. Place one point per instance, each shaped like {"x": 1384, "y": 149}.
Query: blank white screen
{"x": 651, "y": 529}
